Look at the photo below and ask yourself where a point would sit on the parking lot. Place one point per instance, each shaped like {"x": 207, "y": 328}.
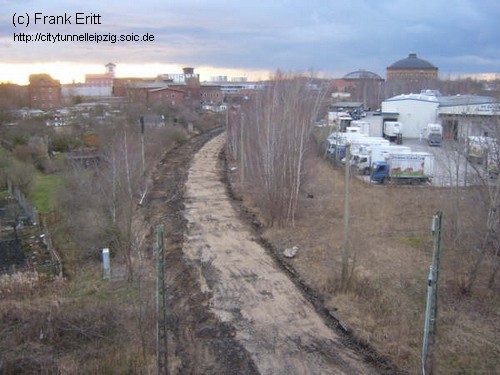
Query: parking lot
{"x": 448, "y": 162}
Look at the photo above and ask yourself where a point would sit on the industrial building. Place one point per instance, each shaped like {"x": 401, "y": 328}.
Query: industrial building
{"x": 460, "y": 115}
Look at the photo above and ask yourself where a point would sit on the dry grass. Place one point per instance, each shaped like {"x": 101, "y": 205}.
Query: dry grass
{"x": 18, "y": 283}
{"x": 391, "y": 250}
{"x": 83, "y": 326}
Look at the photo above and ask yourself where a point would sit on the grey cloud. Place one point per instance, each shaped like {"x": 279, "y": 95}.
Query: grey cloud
{"x": 321, "y": 34}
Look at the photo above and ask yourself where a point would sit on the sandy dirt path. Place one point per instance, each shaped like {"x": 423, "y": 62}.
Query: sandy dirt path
{"x": 273, "y": 321}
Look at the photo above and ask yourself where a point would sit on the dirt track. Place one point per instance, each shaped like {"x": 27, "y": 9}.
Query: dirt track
{"x": 232, "y": 309}
{"x": 271, "y": 318}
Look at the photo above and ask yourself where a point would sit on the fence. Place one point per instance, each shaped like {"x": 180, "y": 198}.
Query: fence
{"x": 29, "y": 210}
{"x": 50, "y": 264}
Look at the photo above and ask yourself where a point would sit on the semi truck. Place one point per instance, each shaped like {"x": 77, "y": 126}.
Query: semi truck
{"x": 433, "y": 134}
{"x": 404, "y": 168}
{"x": 393, "y": 131}
{"x": 363, "y": 159}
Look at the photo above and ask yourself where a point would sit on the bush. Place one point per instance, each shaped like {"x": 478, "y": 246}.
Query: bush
{"x": 64, "y": 143}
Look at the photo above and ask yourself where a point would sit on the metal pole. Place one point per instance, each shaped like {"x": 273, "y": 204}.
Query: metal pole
{"x": 345, "y": 255}
{"x": 425, "y": 344}
{"x": 429, "y": 344}
{"x": 161, "y": 305}
{"x": 437, "y": 219}
{"x": 142, "y": 144}
{"x": 242, "y": 151}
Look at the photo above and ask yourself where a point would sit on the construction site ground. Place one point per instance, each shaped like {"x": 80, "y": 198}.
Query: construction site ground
{"x": 233, "y": 307}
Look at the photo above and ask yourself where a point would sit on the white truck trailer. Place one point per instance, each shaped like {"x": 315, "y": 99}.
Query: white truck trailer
{"x": 393, "y": 131}
{"x": 366, "y": 156}
{"x": 335, "y": 145}
{"x": 362, "y": 127}
{"x": 404, "y": 168}
{"x": 433, "y": 134}
{"x": 339, "y": 119}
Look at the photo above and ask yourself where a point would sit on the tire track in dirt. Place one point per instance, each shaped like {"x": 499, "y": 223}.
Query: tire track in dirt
{"x": 270, "y": 317}
{"x": 199, "y": 343}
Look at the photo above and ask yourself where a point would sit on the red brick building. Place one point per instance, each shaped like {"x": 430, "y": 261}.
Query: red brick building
{"x": 101, "y": 80}
{"x": 412, "y": 69}
{"x": 174, "y": 90}
{"x": 165, "y": 96}
{"x": 211, "y": 94}
{"x": 44, "y": 92}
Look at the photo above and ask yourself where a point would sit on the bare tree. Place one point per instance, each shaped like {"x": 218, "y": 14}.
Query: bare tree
{"x": 98, "y": 202}
{"x": 269, "y": 133}
{"x": 488, "y": 201}
{"x": 473, "y": 160}
{"x": 22, "y": 175}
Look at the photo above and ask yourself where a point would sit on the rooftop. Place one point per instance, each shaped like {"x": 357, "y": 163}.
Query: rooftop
{"x": 463, "y": 100}
{"x": 445, "y": 101}
{"x": 412, "y": 62}
{"x": 362, "y": 74}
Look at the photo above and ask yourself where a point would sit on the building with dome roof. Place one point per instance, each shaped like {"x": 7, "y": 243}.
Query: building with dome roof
{"x": 411, "y": 74}
{"x": 359, "y": 86}
{"x": 412, "y": 69}
{"x": 362, "y": 74}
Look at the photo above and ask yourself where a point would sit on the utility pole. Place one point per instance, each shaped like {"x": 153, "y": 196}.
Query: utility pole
{"x": 429, "y": 342}
{"x": 143, "y": 171}
{"x": 242, "y": 153}
{"x": 142, "y": 144}
{"x": 161, "y": 305}
{"x": 345, "y": 254}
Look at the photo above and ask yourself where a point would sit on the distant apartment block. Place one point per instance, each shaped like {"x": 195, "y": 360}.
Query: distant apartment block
{"x": 44, "y": 92}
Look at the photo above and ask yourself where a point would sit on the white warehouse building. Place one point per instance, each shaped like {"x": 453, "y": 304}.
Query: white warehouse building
{"x": 460, "y": 115}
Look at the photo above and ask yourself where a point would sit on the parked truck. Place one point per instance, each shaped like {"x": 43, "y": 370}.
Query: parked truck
{"x": 477, "y": 148}
{"x": 362, "y": 127}
{"x": 484, "y": 150}
{"x": 336, "y": 142}
{"x": 359, "y": 144}
{"x": 433, "y": 134}
{"x": 393, "y": 131}
{"x": 340, "y": 119}
{"x": 404, "y": 168}
{"x": 337, "y": 145}
{"x": 363, "y": 159}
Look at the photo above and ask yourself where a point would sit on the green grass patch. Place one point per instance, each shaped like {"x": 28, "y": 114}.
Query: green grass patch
{"x": 44, "y": 191}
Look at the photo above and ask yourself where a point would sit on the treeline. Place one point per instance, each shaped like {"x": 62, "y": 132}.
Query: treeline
{"x": 269, "y": 134}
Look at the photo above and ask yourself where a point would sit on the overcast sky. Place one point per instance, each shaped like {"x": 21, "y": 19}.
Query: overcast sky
{"x": 330, "y": 37}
